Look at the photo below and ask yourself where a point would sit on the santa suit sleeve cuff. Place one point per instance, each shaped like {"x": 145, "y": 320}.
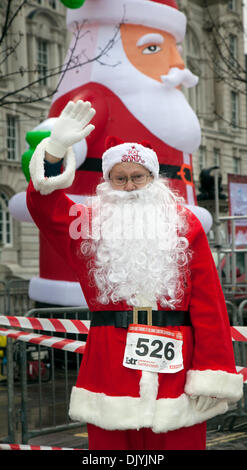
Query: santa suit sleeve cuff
{"x": 46, "y": 185}
{"x": 214, "y": 383}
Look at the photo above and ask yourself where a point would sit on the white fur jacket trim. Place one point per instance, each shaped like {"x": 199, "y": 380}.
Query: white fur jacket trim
{"x": 163, "y": 415}
{"x": 125, "y": 412}
{"x": 214, "y": 383}
{"x": 47, "y": 185}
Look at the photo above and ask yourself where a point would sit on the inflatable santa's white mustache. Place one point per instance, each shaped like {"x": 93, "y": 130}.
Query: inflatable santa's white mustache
{"x": 176, "y": 77}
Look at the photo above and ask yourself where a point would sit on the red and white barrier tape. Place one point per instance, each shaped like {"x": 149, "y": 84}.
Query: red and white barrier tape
{"x": 32, "y": 447}
{"x": 47, "y": 324}
{"x": 242, "y": 371}
{"x": 239, "y": 333}
{"x": 42, "y": 340}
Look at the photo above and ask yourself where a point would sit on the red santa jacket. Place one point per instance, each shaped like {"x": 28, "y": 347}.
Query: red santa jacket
{"x": 110, "y": 395}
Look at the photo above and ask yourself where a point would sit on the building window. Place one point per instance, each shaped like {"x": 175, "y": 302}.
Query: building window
{"x": 202, "y": 159}
{"x": 53, "y": 4}
{"x": 216, "y": 157}
{"x": 234, "y": 109}
{"x": 236, "y": 165}
{"x": 12, "y": 138}
{"x": 233, "y": 49}
{"x": 232, "y": 5}
{"x": 6, "y": 231}
{"x": 42, "y": 61}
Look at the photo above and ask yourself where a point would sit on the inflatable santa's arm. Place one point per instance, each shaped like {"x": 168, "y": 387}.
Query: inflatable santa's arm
{"x": 52, "y": 211}
{"x": 213, "y": 372}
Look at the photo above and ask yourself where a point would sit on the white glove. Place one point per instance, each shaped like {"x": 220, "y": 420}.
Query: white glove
{"x": 71, "y": 127}
{"x": 202, "y": 403}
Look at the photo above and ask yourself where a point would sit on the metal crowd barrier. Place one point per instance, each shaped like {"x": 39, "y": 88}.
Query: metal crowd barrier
{"x": 14, "y": 298}
{"x": 226, "y": 249}
{"x": 229, "y": 255}
{"x": 240, "y": 351}
{"x": 43, "y": 403}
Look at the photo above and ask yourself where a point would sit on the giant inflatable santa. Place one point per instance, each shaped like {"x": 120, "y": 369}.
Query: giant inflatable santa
{"x": 126, "y": 62}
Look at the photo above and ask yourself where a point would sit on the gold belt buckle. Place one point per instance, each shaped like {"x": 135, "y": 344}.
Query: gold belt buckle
{"x": 136, "y": 310}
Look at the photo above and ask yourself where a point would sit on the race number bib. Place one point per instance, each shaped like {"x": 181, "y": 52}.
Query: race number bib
{"x": 154, "y": 349}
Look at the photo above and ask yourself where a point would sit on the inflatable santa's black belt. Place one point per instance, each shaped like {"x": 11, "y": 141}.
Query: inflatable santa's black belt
{"x": 143, "y": 316}
{"x": 179, "y": 172}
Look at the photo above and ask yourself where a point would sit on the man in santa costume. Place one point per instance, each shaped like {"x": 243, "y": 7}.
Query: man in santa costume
{"x": 127, "y": 63}
{"x": 159, "y": 359}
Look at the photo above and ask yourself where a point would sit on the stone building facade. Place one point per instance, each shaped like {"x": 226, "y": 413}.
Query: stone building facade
{"x": 38, "y": 36}
{"x": 214, "y": 50}
{"x": 42, "y": 38}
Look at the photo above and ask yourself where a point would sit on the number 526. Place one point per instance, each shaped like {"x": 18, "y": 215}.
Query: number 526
{"x": 154, "y": 349}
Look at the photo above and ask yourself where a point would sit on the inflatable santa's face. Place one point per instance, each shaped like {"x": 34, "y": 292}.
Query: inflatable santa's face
{"x": 153, "y": 52}
{"x": 126, "y": 62}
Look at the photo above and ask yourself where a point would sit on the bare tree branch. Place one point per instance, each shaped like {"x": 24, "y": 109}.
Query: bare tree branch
{"x": 73, "y": 63}
{"x": 225, "y": 65}
{"x": 9, "y": 19}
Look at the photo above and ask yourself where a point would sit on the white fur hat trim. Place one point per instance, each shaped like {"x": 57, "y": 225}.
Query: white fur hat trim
{"x": 130, "y": 152}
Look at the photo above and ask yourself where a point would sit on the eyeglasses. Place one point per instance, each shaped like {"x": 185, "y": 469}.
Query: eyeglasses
{"x": 136, "y": 179}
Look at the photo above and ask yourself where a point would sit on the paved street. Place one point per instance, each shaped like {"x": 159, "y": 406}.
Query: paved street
{"x": 216, "y": 440}
{"x": 227, "y": 440}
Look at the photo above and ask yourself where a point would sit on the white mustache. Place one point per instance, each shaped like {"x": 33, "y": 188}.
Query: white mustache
{"x": 176, "y": 77}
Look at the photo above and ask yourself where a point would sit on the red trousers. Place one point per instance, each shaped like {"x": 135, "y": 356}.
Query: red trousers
{"x": 190, "y": 438}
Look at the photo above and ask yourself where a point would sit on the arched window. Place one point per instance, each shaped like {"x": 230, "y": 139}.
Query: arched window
{"x": 6, "y": 229}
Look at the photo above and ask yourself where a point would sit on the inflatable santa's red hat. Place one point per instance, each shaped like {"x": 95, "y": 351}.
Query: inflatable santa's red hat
{"x": 159, "y": 14}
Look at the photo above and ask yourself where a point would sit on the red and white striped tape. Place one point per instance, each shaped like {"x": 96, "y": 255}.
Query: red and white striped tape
{"x": 47, "y": 324}
{"x": 242, "y": 371}
{"x": 32, "y": 447}
{"x": 239, "y": 333}
{"x": 42, "y": 340}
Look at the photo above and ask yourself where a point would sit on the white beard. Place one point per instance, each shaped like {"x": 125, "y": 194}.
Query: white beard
{"x": 139, "y": 254}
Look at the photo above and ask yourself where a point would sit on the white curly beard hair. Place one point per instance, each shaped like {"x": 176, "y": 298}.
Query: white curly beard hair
{"x": 139, "y": 245}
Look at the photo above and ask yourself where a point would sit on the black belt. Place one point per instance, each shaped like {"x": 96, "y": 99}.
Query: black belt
{"x": 122, "y": 319}
{"x": 183, "y": 171}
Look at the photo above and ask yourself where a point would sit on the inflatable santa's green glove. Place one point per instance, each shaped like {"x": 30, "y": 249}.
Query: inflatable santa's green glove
{"x": 33, "y": 138}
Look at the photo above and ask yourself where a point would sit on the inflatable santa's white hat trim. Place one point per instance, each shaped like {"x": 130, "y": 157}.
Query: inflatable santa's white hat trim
{"x": 158, "y": 14}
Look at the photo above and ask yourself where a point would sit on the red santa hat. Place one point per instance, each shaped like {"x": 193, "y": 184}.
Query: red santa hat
{"x": 158, "y": 14}
{"x": 118, "y": 151}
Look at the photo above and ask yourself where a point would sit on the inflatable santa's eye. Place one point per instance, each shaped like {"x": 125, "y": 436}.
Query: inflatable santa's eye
{"x": 152, "y": 49}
